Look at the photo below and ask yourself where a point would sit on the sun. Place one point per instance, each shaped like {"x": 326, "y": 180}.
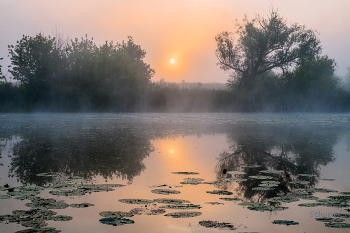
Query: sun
{"x": 172, "y": 60}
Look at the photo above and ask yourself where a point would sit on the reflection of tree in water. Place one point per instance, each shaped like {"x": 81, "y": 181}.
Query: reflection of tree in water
{"x": 80, "y": 151}
{"x": 294, "y": 150}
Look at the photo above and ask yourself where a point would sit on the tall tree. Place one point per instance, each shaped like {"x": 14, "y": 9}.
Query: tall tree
{"x": 261, "y": 45}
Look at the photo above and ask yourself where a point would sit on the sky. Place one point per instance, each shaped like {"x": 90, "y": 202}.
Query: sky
{"x": 180, "y": 29}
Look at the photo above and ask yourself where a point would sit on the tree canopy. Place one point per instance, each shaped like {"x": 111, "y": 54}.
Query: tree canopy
{"x": 264, "y": 44}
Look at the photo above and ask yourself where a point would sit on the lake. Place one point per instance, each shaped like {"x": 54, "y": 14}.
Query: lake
{"x": 150, "y": 172}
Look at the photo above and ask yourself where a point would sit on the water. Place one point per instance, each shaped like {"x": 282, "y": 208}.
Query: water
{"x": 141, "y": 151}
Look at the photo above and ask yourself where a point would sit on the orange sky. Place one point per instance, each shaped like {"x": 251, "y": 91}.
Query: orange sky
{"x": 181, "y": 29}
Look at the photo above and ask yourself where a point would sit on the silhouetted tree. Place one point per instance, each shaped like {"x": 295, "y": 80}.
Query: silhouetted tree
{"x": 261, "y": 45}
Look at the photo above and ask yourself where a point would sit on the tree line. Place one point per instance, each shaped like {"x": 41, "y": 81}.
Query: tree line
{"x": 273, "y": 66}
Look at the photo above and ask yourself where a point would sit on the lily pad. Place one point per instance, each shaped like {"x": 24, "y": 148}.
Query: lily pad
{"x": 115, "y": 214}
{"x": 216, "y": 224}
{"x": 230, "y": 199}
{"x": 337, "y": 225}
{"x": 310, "y": 204}
{"x": 146, "y": 211}
{"x": 171, "y": 201}
{"x": 341, "y": 215}
{"x": 186, "y": 173}
{"x": 261, "y": 177}
{"x": 184, "y": 214}
{"x": 271, "y": 171}
{"x": 329, "y": 219}
{"x": 43, "y": 203}
{"x": 285, "y": 222}
{"x": 234, "y": 179}
{"x": 266, "y": 188}
{"x": 40, "y": 230}
{"x": 345, "y": 193}
{"x": 136, "y": 201}
{"x": 220, "y": 192}
{"x": 324, "y": 179}
{"x": 308, "y": 175}
{"x": 322, "y": 190}
{"x": 286, "y": 199}
{"x": 81, "y": 205}
{"x": 4, "y": 197}
{"x": 302, "y": 182}
{"x": 263, "y": 208}
{"x": 214, "y": 203}
{"x": 74, "y": 192}
{"x": 62, "y": 218}
{"x": 116, "y": 221}
{"x": 181, "y": 206}
{"x": 236, "y": 172}
{"x": 165, "y": 191}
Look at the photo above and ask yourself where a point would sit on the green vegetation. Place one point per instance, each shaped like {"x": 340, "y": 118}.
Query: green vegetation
{"x": 275, "y": 66}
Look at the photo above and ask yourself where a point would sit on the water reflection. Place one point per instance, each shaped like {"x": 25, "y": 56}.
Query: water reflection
{"x": 79, "y": 152}
{"x": 292, "y": 149}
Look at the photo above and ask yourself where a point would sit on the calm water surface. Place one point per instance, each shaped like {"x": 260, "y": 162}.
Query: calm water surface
{"x": 142, "y": 152}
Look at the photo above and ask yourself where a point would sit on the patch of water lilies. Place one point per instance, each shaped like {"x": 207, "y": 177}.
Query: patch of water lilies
{"x": 337, "y": 225}
{"x": 43, "y": 203}
{"x": 186, "y": 173}
{"x": 115, "y": 214}
{"x": 345, "y": 193}
{"x": 216, "y": 224}
{"x": 184, "y": 214}
{"x": 116, "y": 221}
{"x": 234, "y": 179}
{"x": 35, "y": 218}
{"x": 220, "y": 192}
{"x": 324, "y": 179}
{"x": 181, "y": 206}
{"x": 147, "y": 211}
{"x": 74, "y": 192}
{"x": 285, "y": 222}
{"x": 236, "y": 172}
{"x": 165, "y": 191}
{"x": 261, "y": 177}
{"x": 341, "y": 215}
{"x": 81, "y": 205}
{"x": 136, "y": 201}
{"x": 271, "y": 171}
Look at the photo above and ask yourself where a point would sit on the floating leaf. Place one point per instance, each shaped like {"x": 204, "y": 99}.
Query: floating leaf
{"x": 308, "y": 175}
{"x": 236, "y": 172}
{"x": 271, "y": 171}
{"x": 183, "y": 214}
{"x": 40, "y": 230}
{"x": 286, "y": 199}
{"x": 146, "y": 211}
{"x": 327, "y": 179}
{"x": 302, "y": 182}
{"x": 216, "y": 224}
{"x": 234, "y": 179}
{"x": 136, "y": 201}
{"x": 337, "y": 225}
{"x": 330, "y": 219}
{"x": 261, "y": 177}
{"x": 186, "y": 173}
{"x": 62, "y": 218}
{"x": 171, "y": 201}
{"x": 115, "y": 214}
{"x": 165, "y": 191}
{"x": 285, "y": 222}
{"x": 116, "y": 221}
{"x": 4, "y": 197}
{"x": 230, "y": 199}
{"x": 181, "y": 206}
{"x": 310, "y": 204}
{"x": 250, "y": 165}
{"x": 214, "y": 203}
{"x": 81, "y": 205}
{"x": 220, "y": 192}
{"x": 267, "y": 188}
